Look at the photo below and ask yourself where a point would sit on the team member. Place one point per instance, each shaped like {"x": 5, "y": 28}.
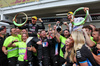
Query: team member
{"x": 33, "y": 35}
{"x": 33, "y": 30}
{"x": 83, "y": 54}
{"x": 11, "y": 52}
{"x": 76, "y": 20}
{"x": 45, "y": 47}
{"x": 3, "y": 57}
{"x": 54, "y": 48}
{"x": 23, "y": 31}
{"x": 62, "y": 40}
{"x": 96, "y": 49}
{"x": 93, "y": 27}
{"x": 68, "y": 48}
{"x": 89, "y": 39}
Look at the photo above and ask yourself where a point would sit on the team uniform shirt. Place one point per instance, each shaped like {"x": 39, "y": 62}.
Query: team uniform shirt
{"x": 69, "y": 63}
{"x": 92, "y": 39}
{"x": 19, "y": 36}
{"x": 2, "y": 55}
{"x": 84, "y": 55}
{"x": 62, "y": 39}
{"x": 12, "y": 51}
{"x": 76, "y": 20}
{"x": 54, "y": 47}
{"x": 22, "y": 49}
{"x": 34, "y": 28}
{"x": 43, "y": 52}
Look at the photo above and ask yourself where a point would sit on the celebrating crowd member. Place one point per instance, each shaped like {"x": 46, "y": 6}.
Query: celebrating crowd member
{"x": 44, "y": 54}
{"x": 93, "y": 27}
{"x": 22, "y": 49}
{"x": 83, "y": 54}
{"x": 75, "y": 20}
{"x": 33, "y": 30}
{"x": 96, "y": 49}
{"x": 89, "y": 39}
{"x": 5, "y": 32}
{"x": 3, "y": 57}
{"x": 54, "y": 49}
{"x": 62, "y": 40}
{"x": 69, "y": 46}
{"x": 24, "y": 31}
{"x": 11, "y": 52}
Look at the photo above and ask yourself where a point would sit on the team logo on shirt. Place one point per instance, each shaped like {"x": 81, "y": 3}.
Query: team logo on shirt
{"x": 45, "y": 44}
{"x": 78, "y": 54}
{"x": 33, "y": 27}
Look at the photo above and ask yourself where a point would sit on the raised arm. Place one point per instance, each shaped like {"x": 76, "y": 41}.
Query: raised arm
{"x": 41, "y": 27}
{"x": 89, "y": 42}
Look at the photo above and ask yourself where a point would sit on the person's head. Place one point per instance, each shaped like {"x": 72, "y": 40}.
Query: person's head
{"x": 24, "y": 31}
{"x": 34, "y": 19}
{"x": 96, "y": 35}
{"x": 88, "y": 29}
{"x": 93, "y": 27}
{"x": 49, "y": 32}
{"x": 78, "y": 39}
{"x": 69, "y": 15}
{"x": 24, "y": 36}
{"x": 18, "y": 30}
{"x": 69, "y": 44}
{"x": 53, "y": 34}
{"x": 43, "y": 33}
{"x": 54, "y": 27}
{"x": 13, "y": 31}
{"x": 2, "y": 31}
{"x": 66, "y": 33}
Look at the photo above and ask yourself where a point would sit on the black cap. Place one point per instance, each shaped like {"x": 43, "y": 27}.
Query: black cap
{"x": 1, "y": 29}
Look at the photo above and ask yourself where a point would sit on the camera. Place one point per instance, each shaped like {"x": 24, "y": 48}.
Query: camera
{"x": 58, "y": 28}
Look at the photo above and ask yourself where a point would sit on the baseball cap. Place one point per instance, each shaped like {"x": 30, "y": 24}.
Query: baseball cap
{"x": 69, "y": 13}
{"x": 34, "y": 17}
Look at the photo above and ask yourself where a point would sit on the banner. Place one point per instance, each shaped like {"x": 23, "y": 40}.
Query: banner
{"x": 8, "y": 3}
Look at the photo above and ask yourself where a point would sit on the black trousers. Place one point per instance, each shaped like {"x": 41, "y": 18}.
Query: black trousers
{"x": 23, "y": 63}
{"x": 35, "y": 61}
{"x": 61, "y": 60}
{"x": 46, "y": 61}
{"x": 54, "y": 60}
{"x": 3, "y": 61}
{"x": 29, "y": 53}
{"x": 12, "y": 61}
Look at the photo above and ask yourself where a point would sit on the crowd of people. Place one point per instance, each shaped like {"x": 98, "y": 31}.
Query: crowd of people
{"x": 74, "y": 46}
